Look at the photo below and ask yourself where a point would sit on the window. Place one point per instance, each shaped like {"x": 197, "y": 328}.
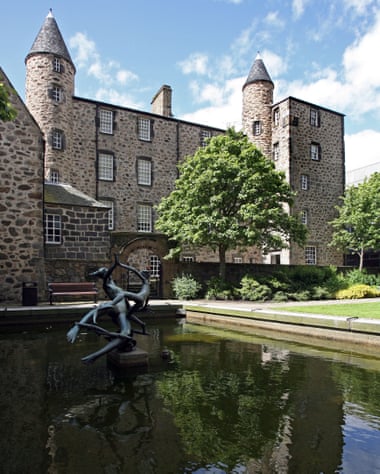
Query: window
{"x": 310, "y": 255}
{"x": 144, "y": 128}
{"x": 105, "y": 166}
{"x": 205, "y": 135}
{"x": 53, "y": 229}
{"x": 106, "y": 121}
{"x": 57, "y": 65}
{"x": 111, "y": 213}
{"x": 276, "y": 117}
{"x": 314, "y": 117}
{"x": 315, "y": 152}
{"x": 276, "y": 151}
{"x": 57, "y": 93}
{"x": 54, "y": 176}
{"x": 155, "y": 266}
{"x": 144, "y": 171}
{"x": 237, "y": 259}
{"x": 304, "y": 216}
{"x": 257, "y": 127}
{"x": 275, "y": 259}
{"x": 188, "y": 258}
{"x": 57, "y": 139}
{"x": 144, "y": 218}
{"x": 304, "y": 182}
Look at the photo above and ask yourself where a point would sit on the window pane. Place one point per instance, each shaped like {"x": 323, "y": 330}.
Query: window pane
{"x": 53, "y": 229}
{"x": 276, "y": 151}
{"x": 257, "y": 127}
{"x": 205, "y": 135}
{"x": 144, "y": 129}
{"x": 144, "y": 172}
{"x": 310, "y": 255}
{"x": 314, "y": 117}
{"x": 155, "y": 266}
{"x": 57, "y": 65}
{"x": 56, "y": 94}
{"x": 304, "y": 182}
{"x": 304, "y": 217}
{"x": 314, "y": 152}
{"x": 57, "y": 140}
{"x": 105, "y": 170}
{"x": 144, "y": 218}
{"x": 106, "y": 121}
{"x": 110, "y": 213}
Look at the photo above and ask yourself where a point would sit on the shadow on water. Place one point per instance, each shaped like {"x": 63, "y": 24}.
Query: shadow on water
{"x": 223, "y": 402}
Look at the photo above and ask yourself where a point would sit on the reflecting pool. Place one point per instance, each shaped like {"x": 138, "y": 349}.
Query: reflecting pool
{"x": 223, "y": 402}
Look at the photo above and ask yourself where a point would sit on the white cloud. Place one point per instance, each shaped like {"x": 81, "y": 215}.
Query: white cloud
{"x": 273, "y": 19}
{"x": 360, "y": 6}
{"x": 195, "y": 63}
{"x": 87, "y": 57}
{"x": 362, "y": 149}
{"x": 113, "y": 96}
{"x": 298, "y": 7}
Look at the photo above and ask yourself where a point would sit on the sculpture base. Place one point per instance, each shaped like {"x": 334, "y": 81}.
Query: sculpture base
{"x": 135, "y": 358}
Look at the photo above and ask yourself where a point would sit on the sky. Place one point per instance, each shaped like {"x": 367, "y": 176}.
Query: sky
{"x": 322, "y": 51}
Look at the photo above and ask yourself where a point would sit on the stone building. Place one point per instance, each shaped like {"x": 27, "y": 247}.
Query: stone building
{"x": 106, "y": 167}
{"x": 306, "y": 142}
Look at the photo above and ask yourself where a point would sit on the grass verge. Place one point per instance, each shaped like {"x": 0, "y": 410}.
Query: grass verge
{"x": 360, "y": 310}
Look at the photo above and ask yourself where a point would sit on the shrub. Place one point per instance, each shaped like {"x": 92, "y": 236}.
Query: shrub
{"x": 280, "y": 297}
{"x": 220, "y": 289}
{"x": 253, "y": 290}
{"x": 357, "y": 292}
{"x": 355, "y": 277}
{"x": 320, "y": 293}
{"x": 185, "y": 287}
{"x": 303, "y": 295}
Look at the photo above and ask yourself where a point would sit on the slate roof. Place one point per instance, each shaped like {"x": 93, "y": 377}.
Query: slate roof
{"x": 258, "y": 72}
{"x": 50, "y": 40}
{"x": 67, "y": 195}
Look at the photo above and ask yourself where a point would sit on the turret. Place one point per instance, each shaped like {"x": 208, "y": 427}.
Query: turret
{"x": 257, "y": 106}
{"x": 50, "y": 78}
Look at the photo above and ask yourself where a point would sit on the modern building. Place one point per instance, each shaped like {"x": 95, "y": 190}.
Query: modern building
{"x": 100, "y": 169}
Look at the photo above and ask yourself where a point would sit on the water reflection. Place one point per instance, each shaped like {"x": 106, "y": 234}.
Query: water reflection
{"x": 223, "y": 403}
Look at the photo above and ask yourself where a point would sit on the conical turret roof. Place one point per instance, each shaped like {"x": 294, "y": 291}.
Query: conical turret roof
{"x": 258, "y": 72}
{"x": 50, "y": 40}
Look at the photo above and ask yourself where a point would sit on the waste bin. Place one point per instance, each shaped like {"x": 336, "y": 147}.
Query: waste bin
{"x": 29, "y": 293}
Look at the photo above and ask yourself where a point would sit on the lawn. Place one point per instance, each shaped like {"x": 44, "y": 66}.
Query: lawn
{"x": 349, "y": 309}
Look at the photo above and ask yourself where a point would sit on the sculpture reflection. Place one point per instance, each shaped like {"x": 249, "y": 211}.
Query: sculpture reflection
{"x": 120, "y": 309}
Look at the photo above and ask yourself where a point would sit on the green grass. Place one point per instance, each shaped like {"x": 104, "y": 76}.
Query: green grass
{"x": 360, "y": 310}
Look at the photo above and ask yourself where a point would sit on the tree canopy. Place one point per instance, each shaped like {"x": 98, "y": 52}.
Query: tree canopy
{"x": 357, "y": 227}
{"x": 7, "y": 112}
{"x": 229, "y": 195}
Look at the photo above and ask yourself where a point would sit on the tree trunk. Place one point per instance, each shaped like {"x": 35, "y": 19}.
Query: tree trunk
{"x": 222, "y": 262}
{"x": 361, "y": 259}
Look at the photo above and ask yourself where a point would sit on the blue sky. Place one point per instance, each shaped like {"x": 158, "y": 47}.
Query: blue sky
{"x": 325, "y": 52}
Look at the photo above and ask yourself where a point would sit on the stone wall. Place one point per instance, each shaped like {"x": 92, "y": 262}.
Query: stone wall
{"x": 21, "y": 208}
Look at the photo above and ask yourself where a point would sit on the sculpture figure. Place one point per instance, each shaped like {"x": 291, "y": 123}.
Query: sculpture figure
{"x": 120, "y": 310}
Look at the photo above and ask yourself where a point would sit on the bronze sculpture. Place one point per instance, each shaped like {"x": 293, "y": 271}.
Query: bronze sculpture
{"x": 119, "y": 308}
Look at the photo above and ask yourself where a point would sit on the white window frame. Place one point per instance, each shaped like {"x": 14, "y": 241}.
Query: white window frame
{"x": 314, "y": 118}
{"x": 276, "y": 117}
{"x": 57, "y": 94}
{"x": 311, "y": 255}
{"x": 57, "y": 140}
{"x": 188, "y": 258}
{"x": 144, "y": 218}
{"x": 276, "y": 151}
{"x": 106, "y": 121}
{"x": 144, "y": 171}
{"x": 304, "y": 182}
{"x": 144, "y": 129}
{"x": 205, "y": 136}
{"x": 154, "y": 267}
{"x": 105, "y": 166}
{"x": 57, "y": 65}
{"x": 237, "y": 259}
{"x": 110, "y": 214}
{"x": 53, "y": 229}
{"x": 54, "y": 176}
{"x": 304, "y": 216}
{"x": 256, "y": 128}
{"x": 315, "y": 152}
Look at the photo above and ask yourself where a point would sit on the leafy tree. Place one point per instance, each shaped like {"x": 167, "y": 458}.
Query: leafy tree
{"x": 7, "y": 112}
{"x": 229, "y": 195}
{"x": 357, "y": 228}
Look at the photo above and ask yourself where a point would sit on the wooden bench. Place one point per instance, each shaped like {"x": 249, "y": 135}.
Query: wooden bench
{"x": 84, "y": 288}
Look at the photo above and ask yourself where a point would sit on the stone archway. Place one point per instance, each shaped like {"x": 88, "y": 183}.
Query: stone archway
{"x": 143, "y": 253}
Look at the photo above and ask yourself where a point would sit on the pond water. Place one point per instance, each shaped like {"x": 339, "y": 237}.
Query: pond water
{"x": 223, "y": 403}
